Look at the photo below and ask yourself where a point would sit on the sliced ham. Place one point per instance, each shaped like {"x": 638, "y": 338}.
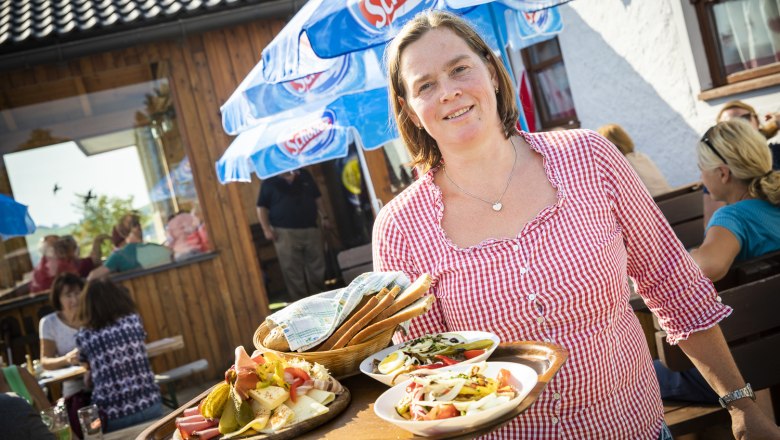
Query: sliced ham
{"x": 206, "y": 434}
{"x": 191, "y": 427}
{"x": 188, "y": 419}
{"x": 191, "y": 411}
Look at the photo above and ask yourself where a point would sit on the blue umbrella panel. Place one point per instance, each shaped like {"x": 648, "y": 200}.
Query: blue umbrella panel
{"x": 15, "y": 220}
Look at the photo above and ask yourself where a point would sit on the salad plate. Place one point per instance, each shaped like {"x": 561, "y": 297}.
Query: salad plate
{"x": 468, "y": 412}
{"x": 419, "y": 356}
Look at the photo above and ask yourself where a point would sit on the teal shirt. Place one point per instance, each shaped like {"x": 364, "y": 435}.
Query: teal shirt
{"x": 137, "y": 256}
{"x": 755, "y": 223}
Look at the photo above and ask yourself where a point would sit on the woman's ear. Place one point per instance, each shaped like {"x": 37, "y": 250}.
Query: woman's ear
{"x": 409, "y": 112}
{"x": 725, "y": 174}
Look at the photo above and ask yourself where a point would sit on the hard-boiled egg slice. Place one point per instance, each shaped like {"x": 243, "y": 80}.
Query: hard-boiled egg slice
{"x": 392, "y": 362}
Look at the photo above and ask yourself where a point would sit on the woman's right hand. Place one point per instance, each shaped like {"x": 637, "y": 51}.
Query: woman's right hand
{"x": 72, "y": 357}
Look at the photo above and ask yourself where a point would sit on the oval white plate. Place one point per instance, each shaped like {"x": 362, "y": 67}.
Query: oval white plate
{"x": 524, "y": 379}
{"x": 387, "y": 379}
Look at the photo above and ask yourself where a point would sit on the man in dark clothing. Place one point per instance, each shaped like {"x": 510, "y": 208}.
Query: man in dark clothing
{"x": 287, "y": 208}
{"x": 20, "y": 420}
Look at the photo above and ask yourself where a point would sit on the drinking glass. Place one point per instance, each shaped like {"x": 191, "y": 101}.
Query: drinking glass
{"x": 91, "y": 427}
{"x": 56, "y": 419}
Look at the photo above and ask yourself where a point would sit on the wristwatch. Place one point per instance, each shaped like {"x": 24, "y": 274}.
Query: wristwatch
{"x": 741, "y": 393}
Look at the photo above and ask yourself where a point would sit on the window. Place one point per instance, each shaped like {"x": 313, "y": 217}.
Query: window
{"x": 82, "y": 154}
{"x": 741, "y": 38}
{"x": 550, "y": 84}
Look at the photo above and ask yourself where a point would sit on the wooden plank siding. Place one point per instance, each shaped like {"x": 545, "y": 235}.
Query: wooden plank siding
{"x": 217, "y": 303}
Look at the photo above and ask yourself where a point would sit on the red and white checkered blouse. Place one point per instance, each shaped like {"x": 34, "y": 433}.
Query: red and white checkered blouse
{"x": 563, "y": 279}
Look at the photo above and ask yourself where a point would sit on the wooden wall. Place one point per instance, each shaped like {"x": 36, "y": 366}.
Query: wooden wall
{"x": 216, "y": 304}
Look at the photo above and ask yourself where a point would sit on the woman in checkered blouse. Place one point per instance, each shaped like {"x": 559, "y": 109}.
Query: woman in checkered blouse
{"x": 585, "y": 224}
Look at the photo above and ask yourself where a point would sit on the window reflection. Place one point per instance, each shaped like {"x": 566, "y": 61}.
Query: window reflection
{"x": 85, "y": 161}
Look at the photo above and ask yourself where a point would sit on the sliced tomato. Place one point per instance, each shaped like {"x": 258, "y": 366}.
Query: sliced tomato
{"x": 431, "y": 366}
{"x": 470, "y": 354}
{"x": 446, "y": 359}
{"x": 442, "y": 412}
{"x": 412, "y": 386}
{"x": 297, "y": 373}
{"x": 294, "y": 389}
{"x": 503, "y": 378}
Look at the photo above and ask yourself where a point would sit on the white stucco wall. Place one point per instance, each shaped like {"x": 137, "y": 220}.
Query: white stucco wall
{"x": 631, "y": 62}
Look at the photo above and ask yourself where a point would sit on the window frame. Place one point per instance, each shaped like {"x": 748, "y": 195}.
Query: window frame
{"x": 705, "y": 18}
{"x": 545, "y": 121}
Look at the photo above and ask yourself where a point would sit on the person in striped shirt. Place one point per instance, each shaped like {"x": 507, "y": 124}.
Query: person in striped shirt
{"x": 533, "y": 237}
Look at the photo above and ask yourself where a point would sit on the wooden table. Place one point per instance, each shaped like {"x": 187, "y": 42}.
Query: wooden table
{"x": 358, "y": 420}
{"x": 53, "y": 378}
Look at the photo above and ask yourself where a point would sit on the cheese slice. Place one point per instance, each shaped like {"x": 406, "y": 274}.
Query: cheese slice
{"x": 321, "y": 396}
{"x": 269, "y": 397}
{"x": 306, "y": 408}
{"x": 281, "y": 417}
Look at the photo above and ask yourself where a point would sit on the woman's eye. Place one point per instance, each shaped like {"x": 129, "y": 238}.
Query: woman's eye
{"x": 423, "y": 87}
{"x": 460, "y": 69}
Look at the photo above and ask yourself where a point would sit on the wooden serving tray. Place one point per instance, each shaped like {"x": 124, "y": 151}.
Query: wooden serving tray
{"x": 358, "y": 420}
{"x": 164, "y": 429}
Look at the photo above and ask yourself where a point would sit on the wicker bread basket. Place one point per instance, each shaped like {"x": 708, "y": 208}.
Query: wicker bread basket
{"x": 342, "y": 362}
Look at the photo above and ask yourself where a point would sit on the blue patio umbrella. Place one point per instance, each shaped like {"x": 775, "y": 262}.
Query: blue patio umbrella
{"x": 15, "y": 220}
{"x": 296, "y": 108}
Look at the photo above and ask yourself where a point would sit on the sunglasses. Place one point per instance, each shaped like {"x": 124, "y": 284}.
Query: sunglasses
{"x": 708, "y": 142}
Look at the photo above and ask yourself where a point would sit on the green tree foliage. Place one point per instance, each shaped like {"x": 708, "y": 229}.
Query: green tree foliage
{"x": 98, "y": 216}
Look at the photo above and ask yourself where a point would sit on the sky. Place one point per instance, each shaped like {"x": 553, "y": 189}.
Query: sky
{"x": 33, "y": 174}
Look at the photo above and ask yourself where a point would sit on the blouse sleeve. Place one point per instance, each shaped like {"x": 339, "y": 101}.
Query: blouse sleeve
{"x": 667, "y": 278}
{"x": 391, "y": 253}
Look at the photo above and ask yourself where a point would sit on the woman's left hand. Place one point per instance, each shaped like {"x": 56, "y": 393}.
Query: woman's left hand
{"x": 748, "y": 422}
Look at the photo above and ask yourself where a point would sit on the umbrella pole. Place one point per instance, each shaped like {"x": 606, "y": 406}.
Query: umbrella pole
{"x": 376, "y": 204}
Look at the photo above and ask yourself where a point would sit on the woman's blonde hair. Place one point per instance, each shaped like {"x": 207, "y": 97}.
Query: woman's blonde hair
{"x": 746, "y": 154}
{"x": 615, "y": 134}
{"x": 422, "y": 147}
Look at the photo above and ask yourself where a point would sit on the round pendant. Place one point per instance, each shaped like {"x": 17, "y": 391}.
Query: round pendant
{"x": 497, "y": 206}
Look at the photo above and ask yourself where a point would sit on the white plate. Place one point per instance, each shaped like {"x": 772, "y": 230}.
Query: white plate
{"x": 387, "y": 379}
{"x": 524, "y": 379}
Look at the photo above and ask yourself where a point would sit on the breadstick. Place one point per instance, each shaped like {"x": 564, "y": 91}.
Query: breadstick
{"x": 418, "y": 308}
{"x": 365, "y": 319}
{"x": 328, "y": 344}
{"x": 411, "y": 294}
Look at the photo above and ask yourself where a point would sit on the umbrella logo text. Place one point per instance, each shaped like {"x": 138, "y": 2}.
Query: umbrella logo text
{"x": 376, "y": 14}
{"x": 312, "y": 139}
{"x": 322, "y": 82}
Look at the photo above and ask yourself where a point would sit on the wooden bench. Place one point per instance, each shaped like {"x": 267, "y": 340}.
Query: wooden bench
{"x": 355, "y": 261}
{"x": 169, "y": 379}
{"x": 684, "y": 210}
{"x": 753, "y": 334}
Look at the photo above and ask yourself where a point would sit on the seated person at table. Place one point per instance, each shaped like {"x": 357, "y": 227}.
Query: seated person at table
{"x": 740, "y": 110}
{"x": 20, "y": 420}
{"x": 645, "y": 168}
{"x": 736, "y": 166}
{"x": 60, "y": 255}
{"x": 58, "y": 338}
{"x": 183, "y": 237}
{"x": 134, "y": 253}
{"x": 113, "y": 335}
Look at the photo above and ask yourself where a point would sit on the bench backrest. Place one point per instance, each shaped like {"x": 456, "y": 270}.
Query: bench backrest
{"x": 752, "y": 332}
{"x": 751, "y": 270}
{"x": 355, "y": 261}
{"x": 684, "y": 210}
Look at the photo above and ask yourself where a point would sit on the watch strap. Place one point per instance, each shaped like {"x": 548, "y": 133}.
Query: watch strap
{"x": 746, "y": 391}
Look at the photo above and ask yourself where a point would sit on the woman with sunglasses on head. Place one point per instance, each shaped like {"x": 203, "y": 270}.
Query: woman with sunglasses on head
{"x": 533, "y": 236}
{"x": 736, "y": 168}
{"x": 740, "y": 110}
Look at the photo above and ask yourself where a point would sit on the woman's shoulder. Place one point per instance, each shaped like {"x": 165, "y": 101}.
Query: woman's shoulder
{"x": 412, "y": 198}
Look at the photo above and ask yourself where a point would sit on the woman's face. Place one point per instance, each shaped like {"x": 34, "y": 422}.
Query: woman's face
{"x": 736, "y": 112}
{"x": 69, "y": 298}
{"x": 450, "y": 90}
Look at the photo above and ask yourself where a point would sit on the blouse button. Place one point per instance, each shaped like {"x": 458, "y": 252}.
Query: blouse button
{"x": 540, "y": 319}
{"x": 719, "y": 298}
{"x": 546, "y": 340}
{"x": 515, "y": 247}
{"x": 531, "y": 297}
{"x": 556, "y": 396}
{"x": 555, "y": 420}
{"x": 522, "y": 270}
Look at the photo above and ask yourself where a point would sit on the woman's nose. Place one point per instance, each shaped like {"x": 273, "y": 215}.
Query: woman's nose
{"x": 449, "y": 91}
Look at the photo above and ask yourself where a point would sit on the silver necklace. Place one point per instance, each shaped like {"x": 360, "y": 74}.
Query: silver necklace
{"x": 497, "y": 205}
